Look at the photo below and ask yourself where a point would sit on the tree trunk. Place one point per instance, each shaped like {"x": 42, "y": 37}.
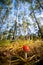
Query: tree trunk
{"x": 37, "y": 24}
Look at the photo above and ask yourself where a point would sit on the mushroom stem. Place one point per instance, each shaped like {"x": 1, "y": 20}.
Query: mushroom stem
{"x": 25, "y": 55}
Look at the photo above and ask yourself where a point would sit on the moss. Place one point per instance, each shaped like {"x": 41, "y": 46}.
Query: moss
{"x": 4, "y": 42}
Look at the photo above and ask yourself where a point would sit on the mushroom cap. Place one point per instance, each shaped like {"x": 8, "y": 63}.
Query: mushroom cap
{"x": 26, "y": 48}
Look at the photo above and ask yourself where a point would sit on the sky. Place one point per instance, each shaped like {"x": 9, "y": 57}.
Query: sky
{"x": 18, "y": 14}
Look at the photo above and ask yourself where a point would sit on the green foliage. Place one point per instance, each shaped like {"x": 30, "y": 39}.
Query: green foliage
{"x": 26, "y": 1}
{"x": 21, "y": 37}
{"x": 25, "y": 24}
{"x": 0, "y": 8}
{"x": 6, "y": 2}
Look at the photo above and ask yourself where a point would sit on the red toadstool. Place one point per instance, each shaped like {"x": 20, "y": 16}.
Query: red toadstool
{"x": 26, "y": 49}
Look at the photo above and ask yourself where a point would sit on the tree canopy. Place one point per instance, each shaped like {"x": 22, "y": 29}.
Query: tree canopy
{"x": 18, "y": 17}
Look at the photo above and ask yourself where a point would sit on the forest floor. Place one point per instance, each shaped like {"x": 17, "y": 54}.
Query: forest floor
{"x": 11, "y": 53}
